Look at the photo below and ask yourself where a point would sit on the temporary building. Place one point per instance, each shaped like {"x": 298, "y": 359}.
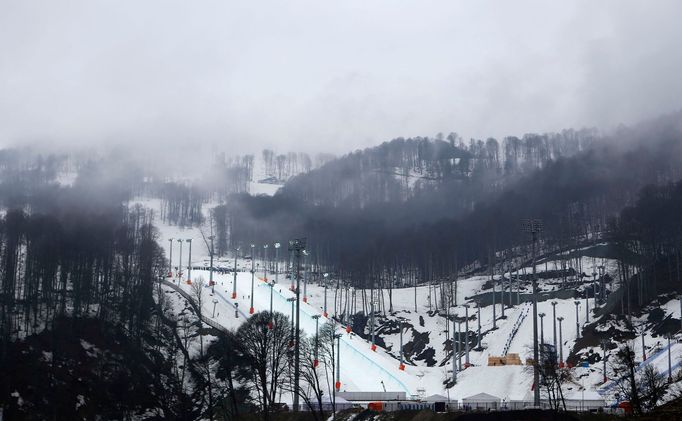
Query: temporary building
{"x": 439, "y": 402}
{"x": 586, "y": 400}
{"x": 481, "y": 401}
{"x": 341, "y": 404}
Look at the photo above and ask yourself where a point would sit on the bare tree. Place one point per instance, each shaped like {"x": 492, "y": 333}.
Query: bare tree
{"x": 265, "y": 352}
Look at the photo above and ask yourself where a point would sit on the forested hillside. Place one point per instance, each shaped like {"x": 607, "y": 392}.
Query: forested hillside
{"x": 362, "y": 223}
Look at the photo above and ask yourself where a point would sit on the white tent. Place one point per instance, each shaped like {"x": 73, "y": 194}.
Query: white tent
{"x": 437, "y": 398}
{"x": 583, "y": 400}
{"x": 481, "y": 401}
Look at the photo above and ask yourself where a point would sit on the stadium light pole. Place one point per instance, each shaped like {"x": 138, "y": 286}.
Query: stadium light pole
{"x": 234, "y": 281}
{"x": 459, "y": 360}
{"x": 292, "y": 300}
{"x": 534, "y": 227}
{"x": 466, "y": 335}
{"x": 402, "y": 355}
{"x": 265, "y": 262}
{"x": 502, "y": 294}
{"x": 587, "y": 305}
{"x": 373, "y": 347}
{"x": 577, "y": 321}
{"x": 298, "y": 246}
{"x": 277, "y": 246}
{"x": 325, "y": 314}
{"x": 542, "y": 328}
{"x": 210, "y": 270}
{"x": 253, "y": 276}
{"x": 561, "y": 343}
{"x": 215, "y": 301}
{"x": 554, "y": 303}
{"x": 338, "y": 361}
{"x": 594, "y": 292}
{"x": 305, "y": 276}
{"x": 602, "y": 284}
{"x": 518, "y": 287}
{"x": 670, "y": 372}
{"x": 189, "y": 262}
{"x": 511, "y": 286}
{"x": 317, "y": 332}
{"x": 455, "y": 351}
{"x": 179, "y": 240}
{"x": 492, "y": 279}
{"x": 478, "y": 320}
{"x": 271, "y": 323}
{"x": 170, "y": 259}
{"x": 604, "y": 342}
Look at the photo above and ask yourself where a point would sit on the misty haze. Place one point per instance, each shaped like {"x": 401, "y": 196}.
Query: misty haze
{"x": 357, "y": 210}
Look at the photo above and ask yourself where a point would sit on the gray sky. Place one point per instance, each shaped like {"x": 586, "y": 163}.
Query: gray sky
{"x": 329, "y": 75}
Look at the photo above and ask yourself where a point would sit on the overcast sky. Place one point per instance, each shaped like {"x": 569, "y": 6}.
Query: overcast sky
{"x": 329, "y": 75}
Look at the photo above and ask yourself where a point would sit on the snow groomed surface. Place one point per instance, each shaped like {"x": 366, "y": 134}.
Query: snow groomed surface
{"x": 361, "y": 368}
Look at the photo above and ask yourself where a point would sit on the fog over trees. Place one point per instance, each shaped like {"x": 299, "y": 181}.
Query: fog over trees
{"x": 367, "y": 222}
{"x": 390, "y": 156}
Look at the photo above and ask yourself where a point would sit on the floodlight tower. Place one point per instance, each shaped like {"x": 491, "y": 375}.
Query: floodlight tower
{"x": 179, "y": 240}
{"x": 234, "y": 282}
{"x": 554, "y": 303}
{"x": 265, "y": 262}
{"x": 326, "y": 275}
{"x": 455, "y": 347}
{"x": 604, "y": 343}
{"x": 297, "y": 246}
{"x": 402, "y": 355}
{"x": 210, "y": 270}
{"x": 277, "y": 246}
{"x": 670, "y": 371}
{"x": 272, "y": 316}
{"x": 466, "y": 335}
{"x": 253, "y": 275}
{"x": 189, "y": 263}
{"x": 373, "y": 347}
{"x": 561, "y": 343}
{"x": 305, "y": 276}
{"x": 317, "y": 332}
{"x": 170, "y": 259}
{"x": 337, "y": 336}
{"x": 534, "y": 227}
{"x": 215, "y": 301}
{"x": 478, "y": 320}
{"x": 577, "y": 322}
{"x": 587, "y": 305}
{"x": 455, "y": 351}
{"x": 292, "y": 300}
{"x": 602, "y": 284}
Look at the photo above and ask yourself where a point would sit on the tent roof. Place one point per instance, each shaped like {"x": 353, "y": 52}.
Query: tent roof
{"x": 482, "y": 397}
{"x": 436, "y": 398}
{"x": 328, "y": 399}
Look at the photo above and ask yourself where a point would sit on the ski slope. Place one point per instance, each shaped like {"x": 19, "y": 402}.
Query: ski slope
{"x": 361, "y": 368}
{"x": 365, "y": 370}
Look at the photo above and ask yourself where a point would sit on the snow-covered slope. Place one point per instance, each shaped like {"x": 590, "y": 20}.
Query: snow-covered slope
{"x": 429, "y": 370}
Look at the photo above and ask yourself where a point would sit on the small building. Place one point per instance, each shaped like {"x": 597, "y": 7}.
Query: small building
{"x": 587, "y": 400}
{"x": 327, "y": 404}
{"x": 509, "y": 359}
{"x": 481, "y": 401}
{"x": 440, "y": 402}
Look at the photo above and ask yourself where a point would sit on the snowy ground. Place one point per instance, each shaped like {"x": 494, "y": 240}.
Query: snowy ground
{"x": 363, "y": 369}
